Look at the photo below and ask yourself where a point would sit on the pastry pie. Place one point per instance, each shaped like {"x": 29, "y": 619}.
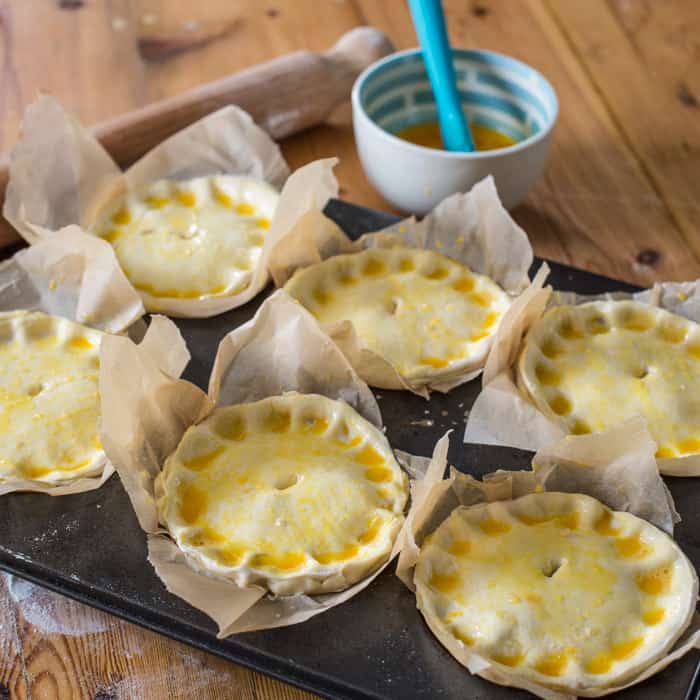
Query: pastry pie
{"x": 194, "y": 239}
{"x": 424, "y": 313}
{"x": 592, "y": 366}
{"x": 297, "y": 493}
{"x": 555, "y": 589}
{"x": 49, "y": 403}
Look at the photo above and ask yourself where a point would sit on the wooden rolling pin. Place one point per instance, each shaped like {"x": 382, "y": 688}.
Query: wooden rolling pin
{"x": 284, "y": 96}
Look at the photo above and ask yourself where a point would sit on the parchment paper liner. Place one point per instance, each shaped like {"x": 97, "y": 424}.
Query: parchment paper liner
{"x": 616, "y": 466}
{"x": 75, "y": 276}
{"x": 61, "y": 175}
{"x": 281, "y": 349}
{"x": 502, "y": 415}
{"x": 472, "y": 228}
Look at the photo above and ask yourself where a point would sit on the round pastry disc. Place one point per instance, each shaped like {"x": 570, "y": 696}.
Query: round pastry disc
{"x": 49, "y": 402}
{"x": 297, "y": 493}
{"x": 193, "y": 239}
{"x": 555, "y": 589}
{"x": 592, "y": 366}
{"x": 427, "y": 315}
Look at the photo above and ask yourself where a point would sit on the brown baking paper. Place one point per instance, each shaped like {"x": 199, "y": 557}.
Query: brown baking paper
{"x": 146, "y": 409}
{"x": 472, "y": 228}
{"x": 75, "y": 276}
{"x": 503, "y": 415}
{"x": 616, "y": 466}
{"x": 61, "y": 175}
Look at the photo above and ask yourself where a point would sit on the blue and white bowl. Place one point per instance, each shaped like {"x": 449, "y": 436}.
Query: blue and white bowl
{"x": 496, "y": 91}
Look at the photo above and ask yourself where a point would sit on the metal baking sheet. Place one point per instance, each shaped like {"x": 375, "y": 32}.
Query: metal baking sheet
{"x": 89, "y": 547}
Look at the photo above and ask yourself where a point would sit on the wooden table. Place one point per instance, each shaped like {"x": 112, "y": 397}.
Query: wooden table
{"x": 620, "y": 196}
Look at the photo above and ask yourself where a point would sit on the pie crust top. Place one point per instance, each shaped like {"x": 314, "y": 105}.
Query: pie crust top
{"x": 591, "y": 366}
{"x": 555, "y": 588}
{"x": 193, "y": 239}
{"x": 424, "y": 313}
{"x": 297, "y": 493}
{"x": 49, "y": 402}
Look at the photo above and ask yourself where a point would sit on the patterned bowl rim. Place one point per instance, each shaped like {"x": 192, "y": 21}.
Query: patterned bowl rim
{"x": 493, "y": 57}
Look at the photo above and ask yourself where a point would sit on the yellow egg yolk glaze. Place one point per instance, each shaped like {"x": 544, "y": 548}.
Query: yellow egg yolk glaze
{"x": 556, "y": 588}
{"x": 49, "y": 403}
{"x": 284, "y": 490}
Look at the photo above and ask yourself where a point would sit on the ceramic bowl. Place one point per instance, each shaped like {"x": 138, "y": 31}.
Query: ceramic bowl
{"x": 496, "y": 91}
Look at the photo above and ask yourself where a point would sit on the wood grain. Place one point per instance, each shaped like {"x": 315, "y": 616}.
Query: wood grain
{"x": 53, "y": 647}
{"x": 636, "y": 54}
{"x": 620, "y": 196}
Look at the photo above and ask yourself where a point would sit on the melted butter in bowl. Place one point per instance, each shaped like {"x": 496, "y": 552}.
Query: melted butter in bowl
{"x": 395, "y": 120}
{"x": 428, "y": 134}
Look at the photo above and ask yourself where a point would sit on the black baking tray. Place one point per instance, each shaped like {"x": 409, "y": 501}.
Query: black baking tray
{"x": 89, "y": 547}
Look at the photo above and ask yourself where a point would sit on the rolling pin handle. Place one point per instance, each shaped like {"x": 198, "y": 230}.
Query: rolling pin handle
{"x": 360, "y": 48}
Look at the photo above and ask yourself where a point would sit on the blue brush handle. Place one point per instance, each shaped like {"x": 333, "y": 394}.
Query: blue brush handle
{"x": 429, "y": 22}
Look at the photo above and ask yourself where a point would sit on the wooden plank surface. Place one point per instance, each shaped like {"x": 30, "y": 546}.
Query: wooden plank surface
{"x": 620, "y": 196}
